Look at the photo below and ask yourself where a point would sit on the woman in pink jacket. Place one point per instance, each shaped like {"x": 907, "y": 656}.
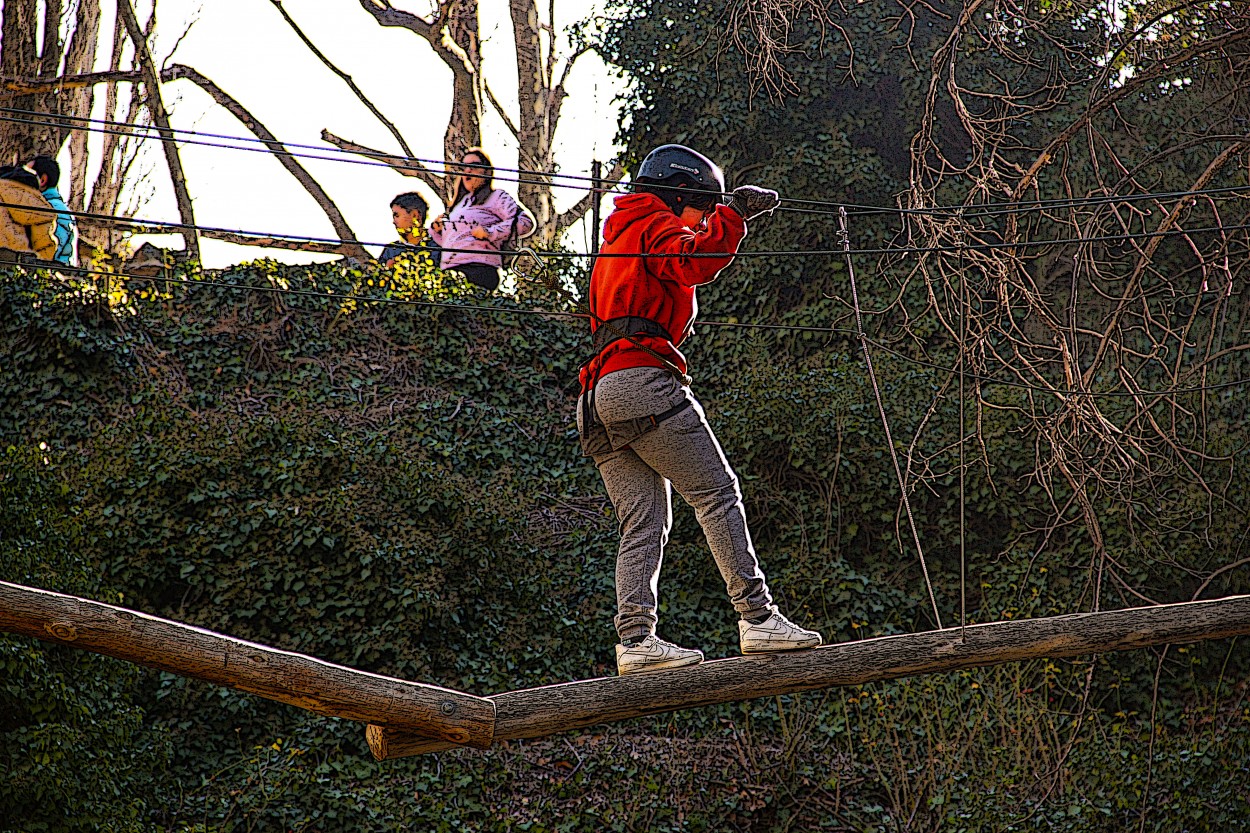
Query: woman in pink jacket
{"x": 482, "y": 221}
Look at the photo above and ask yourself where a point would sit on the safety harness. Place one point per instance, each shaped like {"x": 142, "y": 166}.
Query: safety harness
{"x": 619, "y": 435}
{"x": 597, "y": 438}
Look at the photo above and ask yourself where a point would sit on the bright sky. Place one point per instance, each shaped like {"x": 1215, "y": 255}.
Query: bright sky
{"x": 248, "y": 50}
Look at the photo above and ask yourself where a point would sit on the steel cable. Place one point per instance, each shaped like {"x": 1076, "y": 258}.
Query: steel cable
{"x": 172, "y": 226}
{"x": 536, "y": 177}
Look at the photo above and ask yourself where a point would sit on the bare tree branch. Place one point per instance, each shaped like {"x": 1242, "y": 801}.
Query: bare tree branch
{"x": 347, "y": 79}
{"x": 346, "y": 249}
{"x": 31, "y": 86}
{"x": 402, "y": 164}
{"x": 177, "y": 72}
{"x": 1111, "y": 329}
{"x": 1148, "y": 75}
{"x": 352, "y": 250}
{"x": 152, "y": 85}
{"x": 387, "y": 15}
{"x": 341, "y": 229}
{"x": 1152, "y": 246}
{"x": 503, "y": 114}
{"x": 453, "y": 35}
{"x": 558, "y": 94}
{"x": 762, "y": 31}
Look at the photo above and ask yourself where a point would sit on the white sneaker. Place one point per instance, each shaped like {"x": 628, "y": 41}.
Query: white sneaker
{"x": 776, "y": 633}
{"x": 654, "y": 654}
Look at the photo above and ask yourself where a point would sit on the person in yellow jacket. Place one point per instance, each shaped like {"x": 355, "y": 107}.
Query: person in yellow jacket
{"x": 27, "y": 221}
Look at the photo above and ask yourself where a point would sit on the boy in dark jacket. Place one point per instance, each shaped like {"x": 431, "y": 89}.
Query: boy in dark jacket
{"x": 408, "y": 213}
{"x": 638, "y": 418}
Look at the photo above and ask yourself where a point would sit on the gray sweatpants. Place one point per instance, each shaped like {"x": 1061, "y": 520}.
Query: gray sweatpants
{"x": 680, "y": 453}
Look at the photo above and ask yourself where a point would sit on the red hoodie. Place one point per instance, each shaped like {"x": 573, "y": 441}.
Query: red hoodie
{"x": 659, "y": 288}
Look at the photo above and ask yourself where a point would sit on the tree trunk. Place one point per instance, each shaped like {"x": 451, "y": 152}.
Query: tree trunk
{"x": 464, "y": 128}
{"x": 534, "y": 125}
{"x": 116, "y": 155}
{"x": 66, "y": 49}
{"x": 537, "y": 712}
{"x": 287, "y": 677}
{"x": 79, "y": 58}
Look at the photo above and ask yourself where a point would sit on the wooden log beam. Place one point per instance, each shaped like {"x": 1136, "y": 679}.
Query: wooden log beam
{"x": 537, "y": 712}
{"x": 334, "y": 690}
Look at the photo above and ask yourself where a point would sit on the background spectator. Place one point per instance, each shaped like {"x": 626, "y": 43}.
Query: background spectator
{"x": 27, "y": 221}
{"x": 408, "y": 213}
{"x": 66, "y": 231}
{"x": 482, "y": 222}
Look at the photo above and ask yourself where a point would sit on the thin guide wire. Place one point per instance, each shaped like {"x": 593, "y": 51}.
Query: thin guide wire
{"x": 845, "y": 239}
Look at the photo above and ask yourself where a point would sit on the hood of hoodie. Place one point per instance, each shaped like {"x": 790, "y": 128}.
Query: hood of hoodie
{"x": 628, "y": 208}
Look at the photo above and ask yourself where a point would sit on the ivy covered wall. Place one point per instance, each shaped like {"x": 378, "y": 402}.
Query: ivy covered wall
{"x": 294, "y": 456}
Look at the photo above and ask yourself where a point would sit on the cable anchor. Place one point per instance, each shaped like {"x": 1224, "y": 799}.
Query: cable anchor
{"x": 529, "y": 264}
{"x": 958, "y": 231}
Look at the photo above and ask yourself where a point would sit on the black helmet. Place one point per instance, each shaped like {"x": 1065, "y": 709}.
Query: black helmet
{"x": 668, "y": 161}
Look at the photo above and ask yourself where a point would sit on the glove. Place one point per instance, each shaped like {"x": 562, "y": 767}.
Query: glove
{"x": 750, "y": 201}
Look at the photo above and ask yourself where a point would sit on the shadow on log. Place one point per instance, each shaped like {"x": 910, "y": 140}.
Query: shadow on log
{"x": 334, "y": 690}
{"x": 538, "y": 712}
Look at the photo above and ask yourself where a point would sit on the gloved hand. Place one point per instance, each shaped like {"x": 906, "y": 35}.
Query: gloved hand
{"x": 750, "y": 201}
